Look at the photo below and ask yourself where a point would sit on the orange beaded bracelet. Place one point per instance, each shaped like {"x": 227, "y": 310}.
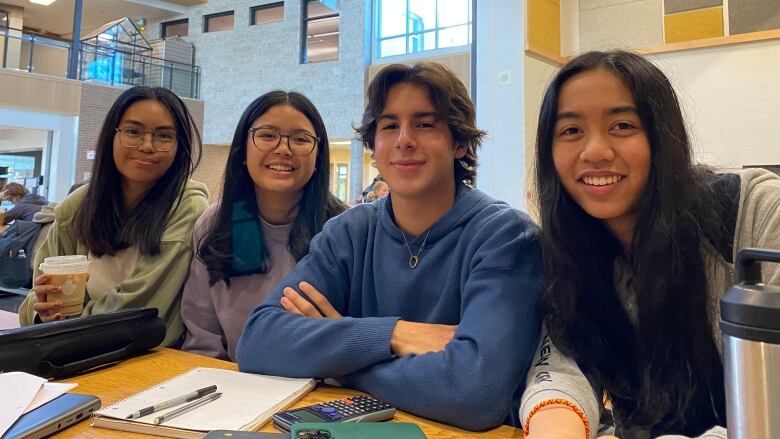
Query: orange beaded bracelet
{"x": 562, "y": 402}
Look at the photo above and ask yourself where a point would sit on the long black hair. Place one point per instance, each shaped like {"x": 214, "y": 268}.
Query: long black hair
{"x": 663, "y": 373}
{"x": 101, "y": 222}
{"x": 316, "y": 206}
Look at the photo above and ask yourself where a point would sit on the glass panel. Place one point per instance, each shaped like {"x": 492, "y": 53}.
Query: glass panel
{"x": 322, "y": 39}
{"x": 22, "y": 62}
{"x": 219, "y": 23}
{"x": 316, "y": 9}
{"x": 176, "y": 29}
{"x": 3, "y": 30}
{"x": 454, "y": 12}
{"x": 420, "y": 42}
{"x": 392, "y": 46}
{"x": 392, "y": 18}
{"x": 19, "y": 166}
{"x": 269, "y": 14}
{"x": 422, "y": 15}
{"x": 455, "y": 36}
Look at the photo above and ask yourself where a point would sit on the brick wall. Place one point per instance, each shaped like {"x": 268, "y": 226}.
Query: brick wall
{"x": 96, "y": 100}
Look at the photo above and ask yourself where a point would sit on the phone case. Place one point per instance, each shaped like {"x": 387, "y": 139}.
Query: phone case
{"x": 360, "y": 430}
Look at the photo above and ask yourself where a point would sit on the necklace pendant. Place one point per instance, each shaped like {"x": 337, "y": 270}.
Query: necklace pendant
{"x": 413, "y": 261}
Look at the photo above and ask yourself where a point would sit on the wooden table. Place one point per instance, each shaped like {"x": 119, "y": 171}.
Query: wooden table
{"x": 132, "y": 376}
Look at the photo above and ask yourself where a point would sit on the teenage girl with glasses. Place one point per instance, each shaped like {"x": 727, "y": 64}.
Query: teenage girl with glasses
{"x": 276, "y": 197}
{"x": 135, "y": 217}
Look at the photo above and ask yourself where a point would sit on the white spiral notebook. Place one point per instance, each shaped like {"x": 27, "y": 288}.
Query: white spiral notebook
{"x": 248, "y": 401}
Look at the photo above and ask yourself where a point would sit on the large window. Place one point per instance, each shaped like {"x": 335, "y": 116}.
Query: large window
{"x": 409, "y": 26}
{"x": 320, "y": 30}
{"x": 266, "y": 14}
{"x": 218, "y": 22}
{"x": 175, "y": 28}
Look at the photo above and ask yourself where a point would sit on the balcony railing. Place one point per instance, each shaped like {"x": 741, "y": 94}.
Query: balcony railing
{"x": 35, "y": 53}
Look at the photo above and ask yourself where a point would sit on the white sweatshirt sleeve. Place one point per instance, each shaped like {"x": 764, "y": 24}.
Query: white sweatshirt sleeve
{"x": 556, "y": 376}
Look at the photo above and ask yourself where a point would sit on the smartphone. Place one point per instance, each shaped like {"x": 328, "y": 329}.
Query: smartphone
{"x": 57, "y": 414}
{"x": 363, "y": 430}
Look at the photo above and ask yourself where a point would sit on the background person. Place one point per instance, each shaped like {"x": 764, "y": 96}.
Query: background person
{"x": 25, "y": 203}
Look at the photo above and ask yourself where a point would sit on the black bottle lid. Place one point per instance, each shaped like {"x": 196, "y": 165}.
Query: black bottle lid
{"x": 751, "y": 310}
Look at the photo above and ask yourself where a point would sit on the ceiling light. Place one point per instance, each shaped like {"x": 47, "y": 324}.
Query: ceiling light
{"x": 43, "y": 2}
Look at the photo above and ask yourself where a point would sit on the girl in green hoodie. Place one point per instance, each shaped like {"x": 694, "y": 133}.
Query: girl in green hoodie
{"x": 135, "y": 218}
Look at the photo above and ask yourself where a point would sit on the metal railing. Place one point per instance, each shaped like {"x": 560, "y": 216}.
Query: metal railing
{"x": 25, "y": 51}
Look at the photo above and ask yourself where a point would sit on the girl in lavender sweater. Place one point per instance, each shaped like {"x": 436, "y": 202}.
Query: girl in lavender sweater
{"x": 275, "y": 199}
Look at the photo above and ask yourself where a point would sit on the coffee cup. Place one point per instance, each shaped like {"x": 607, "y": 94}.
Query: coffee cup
{"x": 70, "y": 274}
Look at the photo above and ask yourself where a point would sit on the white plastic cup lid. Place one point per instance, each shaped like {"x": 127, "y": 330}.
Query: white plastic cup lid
{"x": 69, "y": 259}
{"x": 65, "y": 264}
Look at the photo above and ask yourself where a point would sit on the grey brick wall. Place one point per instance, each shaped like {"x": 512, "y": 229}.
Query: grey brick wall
{"x": 96, "y": 100}
{"x": 241, "y": 64}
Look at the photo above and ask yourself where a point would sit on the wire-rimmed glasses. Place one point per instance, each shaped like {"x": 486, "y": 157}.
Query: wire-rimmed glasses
{"x": 163, "y": 140}
{"x": 268, "y": 139}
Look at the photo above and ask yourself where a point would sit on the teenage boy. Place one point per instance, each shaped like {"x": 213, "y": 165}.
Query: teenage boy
{"x": 427, "y": 298}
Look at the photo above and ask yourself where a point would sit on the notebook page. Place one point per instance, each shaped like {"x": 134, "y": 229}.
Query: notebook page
{"x": 244, "y": 398}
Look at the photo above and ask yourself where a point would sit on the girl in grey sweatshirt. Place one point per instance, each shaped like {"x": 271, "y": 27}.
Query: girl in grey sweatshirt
{"x": 638, "y": 245}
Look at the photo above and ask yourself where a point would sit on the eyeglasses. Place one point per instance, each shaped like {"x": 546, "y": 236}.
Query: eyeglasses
{"x": 162, "y": 141}
{"x": 268, "y": 139}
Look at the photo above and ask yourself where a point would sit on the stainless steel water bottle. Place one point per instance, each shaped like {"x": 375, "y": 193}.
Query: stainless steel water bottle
{"x": 750, "y": 323}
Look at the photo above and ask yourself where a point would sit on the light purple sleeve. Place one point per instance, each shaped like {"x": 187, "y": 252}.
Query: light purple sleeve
{"x": 204, "y": 334}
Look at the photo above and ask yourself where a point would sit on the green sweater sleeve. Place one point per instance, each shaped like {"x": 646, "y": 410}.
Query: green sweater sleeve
{"x": 59, "y": 241}
{"x": 156, "y": 280}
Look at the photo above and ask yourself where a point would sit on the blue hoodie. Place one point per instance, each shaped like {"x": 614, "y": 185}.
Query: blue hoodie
{"x": 481, "y": 269}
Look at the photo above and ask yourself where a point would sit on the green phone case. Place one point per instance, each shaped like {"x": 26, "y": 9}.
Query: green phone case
{"x": 358, "y": 430}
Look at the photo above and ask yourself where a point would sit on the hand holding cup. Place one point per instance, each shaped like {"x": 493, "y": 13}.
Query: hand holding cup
{"x": 60, "y": 289}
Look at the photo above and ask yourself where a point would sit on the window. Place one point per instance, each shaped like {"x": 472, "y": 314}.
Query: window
{"x": 175, "y": 28}
{"x": 320, "y": 30}
{"x": 342, "y": 174}
{"x": 266, "y": 14}
{"x": 410, "y": 26}
{"x": 218, "y": 22}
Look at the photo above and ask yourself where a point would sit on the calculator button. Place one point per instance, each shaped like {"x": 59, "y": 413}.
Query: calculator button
{"x": 327, "y": 410}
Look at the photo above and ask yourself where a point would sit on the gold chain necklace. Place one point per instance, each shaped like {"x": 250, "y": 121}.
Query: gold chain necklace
{"x": 414, "y": 259}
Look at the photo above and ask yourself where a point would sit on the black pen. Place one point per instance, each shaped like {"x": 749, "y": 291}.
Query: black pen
{"x": 172, "y": 402}
{"x": 184, "y": 409}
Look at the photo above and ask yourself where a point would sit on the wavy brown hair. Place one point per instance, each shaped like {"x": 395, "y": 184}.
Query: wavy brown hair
{"x": 448, "y": 96}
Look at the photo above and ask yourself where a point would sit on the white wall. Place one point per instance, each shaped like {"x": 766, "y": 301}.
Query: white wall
{"x": 499, "y": 99}
{"x": 63, "y": 159}
{"x": 731, "y": 99}
{"x": 538, "y": 73}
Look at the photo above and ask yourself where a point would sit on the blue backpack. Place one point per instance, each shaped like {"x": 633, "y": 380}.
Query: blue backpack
{"x": 16, "y": 248}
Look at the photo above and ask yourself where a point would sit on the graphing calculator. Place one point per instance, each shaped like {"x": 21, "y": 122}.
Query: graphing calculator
{"x": 351, "y": 409}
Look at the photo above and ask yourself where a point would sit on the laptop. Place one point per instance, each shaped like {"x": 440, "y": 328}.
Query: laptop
{"x": 57, "y": 414}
